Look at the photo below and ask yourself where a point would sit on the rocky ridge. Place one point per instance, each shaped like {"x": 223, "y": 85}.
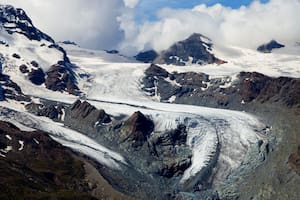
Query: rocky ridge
{"x": 268, "y": 47}
{"x": 196, "y": 49}
{"x": 199, "y": 89}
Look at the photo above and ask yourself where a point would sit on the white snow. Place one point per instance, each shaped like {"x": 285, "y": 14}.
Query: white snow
{"x": 36, "y": 141}
{"x": 172, "y": 99}
{"x": 66, "y": 137}
{"x": 6, "y": 150}
{"x": 279, "y": 63}
{"x": 62, "y": 117}
{"x": 8, "y": 137}
{"x": 21, "y": 145}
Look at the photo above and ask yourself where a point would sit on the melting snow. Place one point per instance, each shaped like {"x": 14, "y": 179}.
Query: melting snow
{"x": 36, "y": 141}
{"x": 22, "y": 145}
{"x": 8, "y": 137}
{"x": 6, "y": 150}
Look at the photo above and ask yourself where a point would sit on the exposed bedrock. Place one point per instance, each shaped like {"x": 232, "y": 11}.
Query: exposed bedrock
{"x": 51, "y": 110}
{"x": 34, "y": 166}
{"x": 86, "y": 118}
{"x": 61, "y": 78}
{"x": 199, "y": 89}
{"x": 268, "y": 47}
{"x": 136, "y": 129}
{"x": 11, "y": 90}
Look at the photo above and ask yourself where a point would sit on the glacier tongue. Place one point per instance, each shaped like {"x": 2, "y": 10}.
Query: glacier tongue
{"x": 212, "y": 133}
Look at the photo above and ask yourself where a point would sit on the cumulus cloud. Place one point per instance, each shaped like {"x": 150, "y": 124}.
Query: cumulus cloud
{"x": 90, "y": 23}
{"x": 131, "y": 3}
{"x": 246, "y": 26}
{"x": 103, "y": 24}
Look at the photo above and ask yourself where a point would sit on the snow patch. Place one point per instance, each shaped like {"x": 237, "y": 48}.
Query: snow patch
{"x": 21, "y": 145}
{"x": 36, "y": 141}
{"x": 8, "y": 137}
{"x": 7, "y": 149}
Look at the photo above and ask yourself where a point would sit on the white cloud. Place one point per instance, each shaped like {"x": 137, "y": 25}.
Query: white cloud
{"x": 90, "y": 23}
{"x": 246, "y": 26}
{"x": 131, "y": 3}
{"x": 104, "y": 24}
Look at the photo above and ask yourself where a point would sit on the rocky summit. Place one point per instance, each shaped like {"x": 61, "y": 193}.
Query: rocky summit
{"x": 196, "y": 49}
{"x": 268, "y": 47}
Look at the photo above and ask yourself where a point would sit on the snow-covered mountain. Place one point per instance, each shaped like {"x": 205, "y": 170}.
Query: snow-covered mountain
{"x": 130, "y": 122}
{"x": 196, "y": 49}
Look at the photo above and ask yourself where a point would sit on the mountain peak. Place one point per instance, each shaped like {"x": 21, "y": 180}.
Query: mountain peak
{"x": 268, "y": 47}
{"x": 15, "y": 20}
{"x": 196, "y": 49}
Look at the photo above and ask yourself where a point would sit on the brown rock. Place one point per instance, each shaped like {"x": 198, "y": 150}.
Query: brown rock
{"x": 136, "y": 129}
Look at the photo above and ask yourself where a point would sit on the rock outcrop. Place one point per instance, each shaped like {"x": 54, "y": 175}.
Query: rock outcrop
{"x": 147, "y": 56}
{"x": 259, "y": 87}
{"x": 196, "y": 49}
{"x": 36, "y": 76}
{"x": 268, "y": 47}
{"x": 34, "y": 166}
{"x": 199, "y": 89}
{"x": 61, "y": 78}
{"x": 51, "y": 111}
{"x": 10, "y": 90}
{"x": 171, "y": 148}
{"x": 136, "y": 129}
{"x": 86, "y": 118}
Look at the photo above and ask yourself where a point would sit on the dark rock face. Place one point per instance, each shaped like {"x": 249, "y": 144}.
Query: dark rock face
{"x": 61, "y": 78}
{"x": 267, "y": 48}
{"x": 24, "y": 69}
{"x": 17, "y": 56}
{"x": 172, "y": 149}
{"x": 192, "y": 48}
{"x": 68, "y": 42}
{"x": 34, "y": 64}
{"x": 84, "y": 117}
{"x": 147, "y": 56}
{"x": 33, "y": 166}
{"x": 136, "y": 129}
{"x": 23, "y": 24}
{"x": 36, "y": 76}
{"x": 199, "y": 89}
{"x": 11, "y": 90}
{"x": 51, "y": 111}
{"x": 112, "y": 51}
{"x": 256, "y": 86}
{"x": 155, "y": 70}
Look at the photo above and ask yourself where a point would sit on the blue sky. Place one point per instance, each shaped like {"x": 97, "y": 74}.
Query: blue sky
{"x": 147, "y": 9}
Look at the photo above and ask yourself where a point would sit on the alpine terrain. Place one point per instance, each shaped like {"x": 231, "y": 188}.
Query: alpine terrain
{"x": 189, "y": 122}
